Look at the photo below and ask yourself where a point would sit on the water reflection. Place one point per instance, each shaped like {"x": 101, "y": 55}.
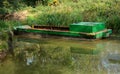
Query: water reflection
{"x": 111, "y": 64}
{"x": 110, "y": 57}
{"x": 54, "y": 56}
{"x": 29, "y": 59}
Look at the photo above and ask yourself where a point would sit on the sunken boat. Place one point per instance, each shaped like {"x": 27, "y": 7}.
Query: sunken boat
{"x": 90, "y": 30}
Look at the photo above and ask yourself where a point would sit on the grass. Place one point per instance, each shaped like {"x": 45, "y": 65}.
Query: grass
{"x": 7, "y": 25}
{"x": 69, "y": 12}
{"x": 3, "y": 45}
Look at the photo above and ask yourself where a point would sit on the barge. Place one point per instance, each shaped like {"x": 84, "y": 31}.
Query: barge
{"x": 91, "y": 30}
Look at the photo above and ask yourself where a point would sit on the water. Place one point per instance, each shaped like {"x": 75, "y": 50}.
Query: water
{"x": 56, "y": 56}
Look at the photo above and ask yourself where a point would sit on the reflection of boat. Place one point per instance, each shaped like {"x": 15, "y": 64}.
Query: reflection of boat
{"x": 83, "y": 29}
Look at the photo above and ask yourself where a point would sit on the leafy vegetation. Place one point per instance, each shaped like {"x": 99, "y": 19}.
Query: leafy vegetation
{"x": 9, "y": 6}
{"x": 71, "y": 11}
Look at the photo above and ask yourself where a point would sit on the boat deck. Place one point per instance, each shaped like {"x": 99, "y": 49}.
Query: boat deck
{"x": 51, "y": 28}
{"x": 63, "y": 31}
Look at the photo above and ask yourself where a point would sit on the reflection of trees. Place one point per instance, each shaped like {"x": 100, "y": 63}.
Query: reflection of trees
{"x": 84, "y": 64}
{"x": 48, "y": 60}
{"x": 8, "y": 6}
{"x": 55, "y": 55}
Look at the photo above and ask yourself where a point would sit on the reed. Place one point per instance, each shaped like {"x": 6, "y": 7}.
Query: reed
{"x": 72, "y": 11}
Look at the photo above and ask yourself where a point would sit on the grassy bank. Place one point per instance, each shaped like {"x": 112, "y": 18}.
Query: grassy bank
{"x": 69, "y": 12}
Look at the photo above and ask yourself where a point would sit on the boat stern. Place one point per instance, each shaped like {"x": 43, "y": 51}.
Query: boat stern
{"x": 104, "y": 34}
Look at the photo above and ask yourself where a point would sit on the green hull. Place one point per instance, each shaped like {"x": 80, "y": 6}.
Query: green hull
{"x": 101, "y": 34}
{"x": 87, "y": 27}
{"x": 83, "y": 29}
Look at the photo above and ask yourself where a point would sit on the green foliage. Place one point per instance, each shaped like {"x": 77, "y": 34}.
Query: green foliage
{"x": 34, "y": 3}
{"x": 70, "y": 11}
{"x": 30, "y": 20}
{"x": 58, "y": 19}
{"x": 113, "y": 22}
{"x": 3, "y": 46}
{"x": 89, "y": 10}
{"x": 6, "y": 25}
{"x": 9, "y": 6}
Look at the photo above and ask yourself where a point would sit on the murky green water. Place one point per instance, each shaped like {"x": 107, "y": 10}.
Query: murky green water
{"x": 62, "y": 56}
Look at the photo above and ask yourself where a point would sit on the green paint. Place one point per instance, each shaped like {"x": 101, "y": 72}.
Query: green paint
{"x": 87, "y": 27}
{"x": 83, "y": 29}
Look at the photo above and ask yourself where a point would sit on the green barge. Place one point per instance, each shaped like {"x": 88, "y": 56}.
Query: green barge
{"x": 91, "y": 30}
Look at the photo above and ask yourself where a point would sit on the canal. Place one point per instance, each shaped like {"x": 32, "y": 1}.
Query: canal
{"x": 37, "y": 55}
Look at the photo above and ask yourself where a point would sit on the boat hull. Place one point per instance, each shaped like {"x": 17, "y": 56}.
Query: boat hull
{"x": 101, "y": 34}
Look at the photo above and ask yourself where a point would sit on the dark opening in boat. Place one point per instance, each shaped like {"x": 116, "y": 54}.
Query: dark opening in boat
{"x": 52, "y": 28}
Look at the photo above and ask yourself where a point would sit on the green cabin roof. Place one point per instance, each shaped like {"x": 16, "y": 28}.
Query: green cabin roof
{"x": 87, "y": 23}
{"x": 87, "y": 27}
